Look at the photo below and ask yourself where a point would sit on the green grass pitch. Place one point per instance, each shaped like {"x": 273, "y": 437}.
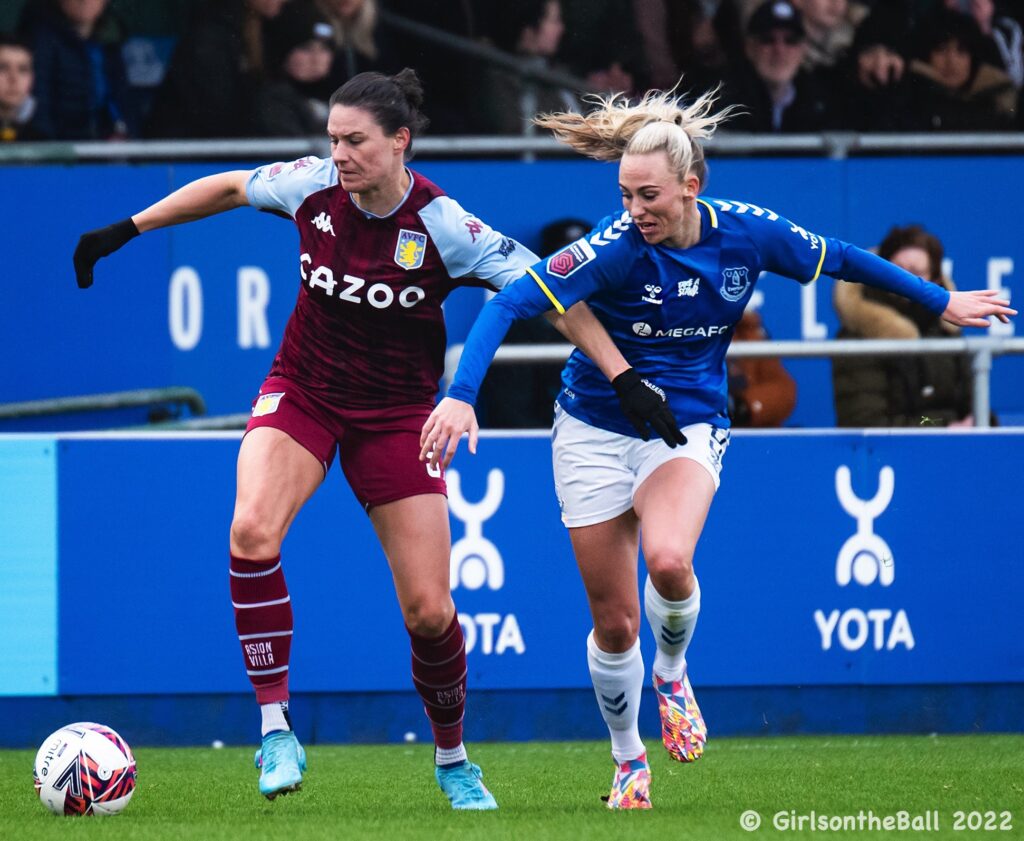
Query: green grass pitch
{"x": 547, "y": 790}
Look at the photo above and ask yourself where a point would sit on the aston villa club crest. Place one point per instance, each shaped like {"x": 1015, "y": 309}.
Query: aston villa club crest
{"x": 735, "y": 283}
{"x": 410, "y": 249}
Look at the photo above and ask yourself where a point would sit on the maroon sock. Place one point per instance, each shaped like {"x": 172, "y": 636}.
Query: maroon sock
{"x": 439, "y": 673}
{"x": 263, "y": 616}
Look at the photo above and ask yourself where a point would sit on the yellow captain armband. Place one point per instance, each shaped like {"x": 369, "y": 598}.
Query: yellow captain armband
{"x": 821, "y": 259}
{"x": 544, "y": 288}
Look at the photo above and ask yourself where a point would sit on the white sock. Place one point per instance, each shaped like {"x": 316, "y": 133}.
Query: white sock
{"x": 450, "y": 756}
{"x": 275, "y": 717}
{"x": 673, "y": 624}
{"x": 618, "y": 680}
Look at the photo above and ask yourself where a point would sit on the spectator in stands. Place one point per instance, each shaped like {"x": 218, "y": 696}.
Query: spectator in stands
{"x": 830, "y": 27}
{"x": 215, "y": 72}
{"x": 875, "y": 90}
{"x": 300, "y": 51}
{"x": 449, "y": 76}
{"x": 79, "y": 74}
{"x": 603, "y": 45}
{"x": 17, "y": 105}
{"x": 654, "y": 25}
{"x": 358, "y": 42}
{"x": 776, "y": 95}
{"x": 761, "y": 391}
{"x": 523, "y": 396}
{"x": 532, "y": 30}
{"x": 1002, "y": 37}
{"x": 904, "y": 390}
{"x": 703, "y": 34}
{"x": 952, "y": 88}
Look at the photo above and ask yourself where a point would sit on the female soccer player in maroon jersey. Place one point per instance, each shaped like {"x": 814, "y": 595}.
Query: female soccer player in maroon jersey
{"x": 357, "y": 372}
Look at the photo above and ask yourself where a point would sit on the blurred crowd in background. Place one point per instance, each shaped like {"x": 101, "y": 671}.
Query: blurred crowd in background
{"x": 119, "y": 69}
{"x": 109, "y": 69}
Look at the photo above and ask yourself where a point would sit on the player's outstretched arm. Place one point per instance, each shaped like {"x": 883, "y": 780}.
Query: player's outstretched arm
{"x": 974, "y": 308}
{"x": 197, "y": 200}
{"x": 642, "y": 402}
{"x": 965, "y": 309}
{"x": 441, "y": 434}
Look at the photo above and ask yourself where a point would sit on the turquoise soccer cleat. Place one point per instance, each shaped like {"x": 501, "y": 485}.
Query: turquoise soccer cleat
{"x": 281, "y": 761}
{"x": 465, "y": 787}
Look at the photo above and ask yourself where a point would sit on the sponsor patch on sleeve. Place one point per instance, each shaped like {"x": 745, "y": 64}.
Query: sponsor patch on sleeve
{"x": 266, "y": 404}
{"x": 570, "y": 259}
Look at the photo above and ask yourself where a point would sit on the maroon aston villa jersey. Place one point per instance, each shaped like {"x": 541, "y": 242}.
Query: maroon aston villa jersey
{"x": 367, "y": 330}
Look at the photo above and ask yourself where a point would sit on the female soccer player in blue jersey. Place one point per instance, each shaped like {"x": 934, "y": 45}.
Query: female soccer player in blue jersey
{"x": 668, "y": 278}
{"x": 380, "y": 247}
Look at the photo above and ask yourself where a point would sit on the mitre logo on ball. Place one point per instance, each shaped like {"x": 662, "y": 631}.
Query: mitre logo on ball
{"x": 84, "y": 769}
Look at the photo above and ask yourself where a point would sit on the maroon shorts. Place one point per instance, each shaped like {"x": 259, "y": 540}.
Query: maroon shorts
{"x": 379, "y": 449}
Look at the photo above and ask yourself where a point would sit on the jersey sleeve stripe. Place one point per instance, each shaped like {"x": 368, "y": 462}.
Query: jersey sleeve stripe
{"x": 711, "y": 211}
{"x": 546, "y": 291}
{"x": 821, "y": 260}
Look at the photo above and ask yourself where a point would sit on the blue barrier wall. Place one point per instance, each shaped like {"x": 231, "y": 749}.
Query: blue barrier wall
{"x": 204, "y": 305}
{"x": 854, "y": 561}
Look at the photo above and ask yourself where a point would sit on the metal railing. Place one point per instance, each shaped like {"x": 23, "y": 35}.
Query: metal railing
{"x": 105, "y": 402}
{"x": 830, "y": 145}
{"x": 981, "y": 349}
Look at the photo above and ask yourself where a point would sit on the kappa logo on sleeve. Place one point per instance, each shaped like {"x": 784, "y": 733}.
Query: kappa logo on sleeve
{"x": 571, "y": 258}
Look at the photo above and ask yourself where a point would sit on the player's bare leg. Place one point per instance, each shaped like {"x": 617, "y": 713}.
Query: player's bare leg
{"x": 672, "y": 504}
{"x": 607, "y": 557}
{"x": 416, "y": 539}
{"x": 275, "y": 477}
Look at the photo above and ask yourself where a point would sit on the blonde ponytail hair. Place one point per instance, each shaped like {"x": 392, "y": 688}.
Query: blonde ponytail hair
{"x": 661, "y": 121}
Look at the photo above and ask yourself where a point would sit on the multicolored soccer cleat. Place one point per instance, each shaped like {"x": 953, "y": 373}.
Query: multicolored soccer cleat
{"x": 631, "y": 786}
{"x": 683, "y": 730}
{"x": 464, "y": 786}
{"x": 281, "y": 761}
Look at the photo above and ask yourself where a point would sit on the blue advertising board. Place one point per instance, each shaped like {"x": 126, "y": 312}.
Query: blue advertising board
{"x": 828, "y": 559}
{"x": 204, "y": 305}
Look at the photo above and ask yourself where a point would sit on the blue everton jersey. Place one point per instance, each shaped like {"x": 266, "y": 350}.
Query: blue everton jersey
{"x": 671, "y": 311}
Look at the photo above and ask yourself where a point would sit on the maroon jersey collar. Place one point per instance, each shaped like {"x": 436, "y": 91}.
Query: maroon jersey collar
{"x": 395, "y": 209}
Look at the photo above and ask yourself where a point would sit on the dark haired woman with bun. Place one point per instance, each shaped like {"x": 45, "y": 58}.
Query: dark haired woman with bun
{"x": 380, "y": 247}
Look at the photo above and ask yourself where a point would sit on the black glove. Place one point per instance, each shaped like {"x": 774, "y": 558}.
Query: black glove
{"x": 739, "y": 410}
{"x": 644, "y": 403}
{"x": 99, "y": 243}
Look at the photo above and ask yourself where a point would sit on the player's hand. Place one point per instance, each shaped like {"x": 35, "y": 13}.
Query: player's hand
{"x": 972, "y": 309}
{"x": 448, "y": 422}
{"x": 99, "y": 243}
{"x": 644, "y": 403}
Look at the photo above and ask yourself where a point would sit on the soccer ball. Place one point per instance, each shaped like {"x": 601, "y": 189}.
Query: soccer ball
{"x": 85, "y": 769}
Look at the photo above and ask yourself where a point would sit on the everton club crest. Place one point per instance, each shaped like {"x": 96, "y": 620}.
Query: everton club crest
{"x": 735, "y": 283}
{"x": 410, "y": 249}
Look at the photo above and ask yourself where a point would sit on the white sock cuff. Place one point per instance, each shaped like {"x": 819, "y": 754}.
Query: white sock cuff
{"x": 608, "y": 658}
{"x": 449, "y": 756}
{"x": 689, "y": 606}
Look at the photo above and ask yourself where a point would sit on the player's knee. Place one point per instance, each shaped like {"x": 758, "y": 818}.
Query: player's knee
{"x": 671, "y": 570}
{"x": 252, "y": 537}
{"x": 616, "y": 631}
{"x": 428, "y": 617}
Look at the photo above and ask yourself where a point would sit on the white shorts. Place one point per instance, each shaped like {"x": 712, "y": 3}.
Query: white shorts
{"x": 597, "y": 472}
